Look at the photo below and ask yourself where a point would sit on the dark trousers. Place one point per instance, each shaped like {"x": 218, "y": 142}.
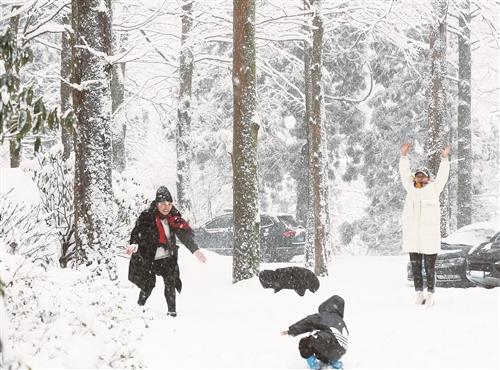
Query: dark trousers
{"x": 430, "y": 271}
{"x": 168, "y": 269}
{"x": 311, "y": 345}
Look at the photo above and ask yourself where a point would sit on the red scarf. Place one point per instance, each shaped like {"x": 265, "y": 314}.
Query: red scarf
{"x": 175, "y": 222}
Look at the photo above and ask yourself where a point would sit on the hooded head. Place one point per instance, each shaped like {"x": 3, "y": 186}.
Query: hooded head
{"x": 334, "y": 304}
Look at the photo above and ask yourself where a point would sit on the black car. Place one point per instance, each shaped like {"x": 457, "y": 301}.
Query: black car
{"x": 281, "y": 237}
{"x": 451, "y": 264}
{"x": 483, "y": 263}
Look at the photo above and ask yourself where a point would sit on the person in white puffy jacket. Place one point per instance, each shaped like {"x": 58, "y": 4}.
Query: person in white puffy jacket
{"x": 421, "y": 220}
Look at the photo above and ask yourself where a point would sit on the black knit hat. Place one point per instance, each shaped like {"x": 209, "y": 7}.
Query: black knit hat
{"x": 163, "y": 195}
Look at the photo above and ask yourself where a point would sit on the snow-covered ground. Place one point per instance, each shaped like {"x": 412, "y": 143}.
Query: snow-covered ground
{"x": 223, "y": 325}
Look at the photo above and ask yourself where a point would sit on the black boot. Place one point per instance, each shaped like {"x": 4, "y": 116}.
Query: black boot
{"x": 143, "y": 297}
{"x": 170, "y": 297}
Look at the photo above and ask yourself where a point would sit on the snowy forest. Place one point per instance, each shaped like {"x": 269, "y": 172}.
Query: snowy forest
{"x": 290, "y": 106}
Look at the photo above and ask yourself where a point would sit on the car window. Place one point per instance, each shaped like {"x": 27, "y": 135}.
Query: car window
{"x": 470, "y": 237}
{"x": 220, "y": 222}
{"x": 265, "y": 221}
{"x": 289, "y": 221}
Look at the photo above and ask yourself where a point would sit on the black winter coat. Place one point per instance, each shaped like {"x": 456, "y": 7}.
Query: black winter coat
{"x": 328, "y": 327}
{"x": 145, "y": 234}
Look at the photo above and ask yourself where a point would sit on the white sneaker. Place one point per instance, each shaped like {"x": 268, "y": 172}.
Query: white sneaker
{"x": 419, "y": 297}
{"x": 429, "y": 301}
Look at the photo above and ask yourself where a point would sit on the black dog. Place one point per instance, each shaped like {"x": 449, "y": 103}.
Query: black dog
{"x": 296, "y": 278}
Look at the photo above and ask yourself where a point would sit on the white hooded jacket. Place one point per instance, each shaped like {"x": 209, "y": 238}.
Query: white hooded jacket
{"x": 421, "y": 211}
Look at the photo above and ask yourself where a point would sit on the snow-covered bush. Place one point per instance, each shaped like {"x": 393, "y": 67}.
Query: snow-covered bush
{"x": 54, "y": 179}
{"x": 130, "y": 200}
{"x": 67, "y": 318}
{"x": 24, "y": 231}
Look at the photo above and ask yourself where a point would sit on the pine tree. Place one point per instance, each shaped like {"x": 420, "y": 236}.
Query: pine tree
{"x": 183, "y": 137}
{"x": 119, "y": 128}
{"x": 464, "y": 152}
{"x": 318, "y": 169}
{"x": 91, "y": 21}
{"x": 246, "y": 239}
{"x": 398, "y": 114}
{"x": 65, "y": 89}
{"x": 438, "y": 128}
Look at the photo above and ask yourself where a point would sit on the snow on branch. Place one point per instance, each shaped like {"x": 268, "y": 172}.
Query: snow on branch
{"x": 169, "y": 61}
{"x": 156, "y": 13}
{"x": 45, "y": 26}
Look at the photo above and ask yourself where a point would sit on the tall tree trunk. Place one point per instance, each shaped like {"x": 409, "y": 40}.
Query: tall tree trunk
{"x": 317, "y": 156}
{"x": 184, "y": 113}
{"x": 65, "y": 90}
{"x": 91, "y": 21}
{"x": 438, "y": 131}
{"x": 119, "y": 128}
{"x": 14, "y": 149}
{"x": 246, "y": 239}
{"x": 464, "y": 152}
{"x": 304, "y": 188}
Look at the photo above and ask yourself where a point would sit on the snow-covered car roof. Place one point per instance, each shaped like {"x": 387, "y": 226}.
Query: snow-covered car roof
{"x": 230, "y": 210}
{"x": 472, "y": 234}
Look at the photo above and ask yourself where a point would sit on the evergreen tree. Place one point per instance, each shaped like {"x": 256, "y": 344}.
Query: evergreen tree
{"x": 246, "y": 220}
{"x": 183, "y": 137}
{"x": 464, "y": 152}
{"x": 398, "y": 114}
{"x": 438, "y": 127}
{"x": 91, "y": 21}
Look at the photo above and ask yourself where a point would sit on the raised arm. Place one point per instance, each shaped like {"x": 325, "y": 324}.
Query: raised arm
{"x": 444, "y": 169}
{"x": 404, "y": 166}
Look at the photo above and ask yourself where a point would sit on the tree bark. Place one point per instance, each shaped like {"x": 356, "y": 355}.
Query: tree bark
{"x": 246, "y": 239}
{"x": 464, "y": 151}
{"x": 317, "y": 156}
{"x": 183, "y": 137}
{"x": 119, "y": 127}
{"x": 65, "y": 90}
{"x": 14, "y": 150}
{"x": 438, "y": 130}
{"x": 91, "y": 20}
{"x": 304, "y": 193}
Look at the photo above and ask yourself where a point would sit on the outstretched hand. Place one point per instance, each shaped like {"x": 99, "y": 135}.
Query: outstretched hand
{"x": 405, "y": 149}
{"x": 284, "y": 332}
{"x": 131, "y": 249}
{"x": 445, "y": 151}
{"x": 201, "y": 256}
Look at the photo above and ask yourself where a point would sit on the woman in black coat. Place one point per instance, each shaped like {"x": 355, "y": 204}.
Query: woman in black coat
{"x": 328, "y": 337}
{"x": 154, "y": 240}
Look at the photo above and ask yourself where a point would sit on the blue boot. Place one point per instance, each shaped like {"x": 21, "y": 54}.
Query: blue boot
{"x": 312, "y": 362}
{"x": 336, "y": 364}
